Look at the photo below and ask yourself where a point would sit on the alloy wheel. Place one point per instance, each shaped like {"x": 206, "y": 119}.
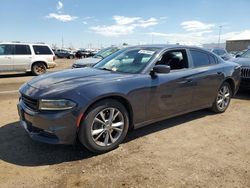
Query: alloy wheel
{"x": 223, "y": 98}
{"x": 107, "y": 126}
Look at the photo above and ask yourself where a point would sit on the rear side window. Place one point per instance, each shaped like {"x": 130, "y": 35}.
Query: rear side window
{"x": 42, "y": 50}
{"x": 22, "y": 50}
{"x": 6, "y": 49}
{"x": 199, "y": 58}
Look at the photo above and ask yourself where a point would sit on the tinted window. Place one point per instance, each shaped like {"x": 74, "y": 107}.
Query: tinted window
{"x": 42, "y": 50}
{"x": 176, "y": 59}
{"x": 212, "y": 59}
{"x": 199, "y": 58}
{"x": 6, "y": 49}
{"x": 22, "y": 50}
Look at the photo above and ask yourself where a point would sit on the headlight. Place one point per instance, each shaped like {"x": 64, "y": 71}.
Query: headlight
{"x": 60, "y": 104}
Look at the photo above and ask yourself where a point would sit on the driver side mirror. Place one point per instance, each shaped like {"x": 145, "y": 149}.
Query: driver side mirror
{"x": 163, "y": 69}
{"x": 238, "y": 55}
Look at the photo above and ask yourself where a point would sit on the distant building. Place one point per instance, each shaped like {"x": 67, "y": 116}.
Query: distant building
{"x": 237, "y": 45}
{"x": 239, "y": 42}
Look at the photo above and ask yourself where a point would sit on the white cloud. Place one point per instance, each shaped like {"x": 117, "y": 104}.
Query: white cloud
{"x": 85, "y": 23}
{"x": 59, "y": 5}
{"x": 122, "y": 20}
{"x": 196, "y": 25}
{"x": 124, "y": 26}
{"x": 62, "y": 17}
{"x": 241, "y": 35}
{"x": 198, "y": 38}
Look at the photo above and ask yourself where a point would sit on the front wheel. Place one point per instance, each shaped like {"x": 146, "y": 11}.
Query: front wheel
{"x": 223, "y": 98}
{"x": 104, "y": 127}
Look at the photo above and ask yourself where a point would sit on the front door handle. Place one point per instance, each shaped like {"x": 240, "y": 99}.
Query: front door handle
{"x": 219, "y": 73}
{"x": 185, "y": 81}
{"x": 8, "y": 57}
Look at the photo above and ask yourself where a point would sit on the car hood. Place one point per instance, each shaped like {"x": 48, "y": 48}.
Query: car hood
{"x": 74, "y": 78}
{"x": 87, "y": 61}
{"x": 242, "y": 61}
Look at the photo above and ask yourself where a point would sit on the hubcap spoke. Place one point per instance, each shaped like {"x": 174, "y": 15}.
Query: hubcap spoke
{"x": 100, "y": 121}
{"x": 97, "y": 131}
{"x": 106, "y": 139}
{"x": 118, "y": 124}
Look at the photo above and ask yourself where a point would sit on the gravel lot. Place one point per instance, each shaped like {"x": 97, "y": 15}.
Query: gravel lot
{"x": 199, "y": 149}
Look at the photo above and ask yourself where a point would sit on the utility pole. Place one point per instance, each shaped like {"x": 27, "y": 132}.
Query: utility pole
{"x": 62, "y": 42}
{"x": 220, "y": 27}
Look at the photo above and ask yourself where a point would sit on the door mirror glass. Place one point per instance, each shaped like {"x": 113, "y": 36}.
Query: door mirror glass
{"x": 161, "y": 69}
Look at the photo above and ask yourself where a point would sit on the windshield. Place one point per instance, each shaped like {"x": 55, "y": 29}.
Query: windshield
{"x": 128, "y": 60}
{"x": 106, "y": 52}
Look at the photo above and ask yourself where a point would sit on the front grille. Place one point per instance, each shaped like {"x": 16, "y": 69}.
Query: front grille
{"x": 245, "y": 72}
{"x": 29, "y": 102}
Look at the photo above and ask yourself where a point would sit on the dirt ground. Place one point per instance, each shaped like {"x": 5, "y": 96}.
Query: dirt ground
{"x": 199, "y": 149}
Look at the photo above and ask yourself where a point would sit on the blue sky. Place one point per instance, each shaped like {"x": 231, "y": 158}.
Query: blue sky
{"x": 106, "y": 22}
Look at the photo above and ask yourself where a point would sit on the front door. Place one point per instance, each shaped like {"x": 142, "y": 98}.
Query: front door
{"x": 6, "y": 57}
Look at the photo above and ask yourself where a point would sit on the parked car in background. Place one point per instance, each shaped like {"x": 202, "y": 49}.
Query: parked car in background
{"x": 244, "y": 60}
{"x": 222, "y": 53}
{"x": 90, "y": 61}
{"x": 84, "y": 53}
{"x": 24, "y": 57}
{"x": 61, "y": 53}
{"x": 131, "y": 88}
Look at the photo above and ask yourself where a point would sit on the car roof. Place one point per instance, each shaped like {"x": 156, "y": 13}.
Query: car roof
{"x": 24, "y": 43}
{"x": 166, "y": 46}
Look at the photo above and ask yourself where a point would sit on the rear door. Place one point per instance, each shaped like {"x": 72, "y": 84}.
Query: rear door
{"x": 6, "y": 57}
{"x": 208, "y": 76}
{"x": 22, "y": 57}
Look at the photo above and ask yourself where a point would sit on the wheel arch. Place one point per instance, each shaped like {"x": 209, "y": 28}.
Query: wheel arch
{"x": 120, "y": 99}
{"x": 231, "y": 82}
{"x": 38, "y": 61}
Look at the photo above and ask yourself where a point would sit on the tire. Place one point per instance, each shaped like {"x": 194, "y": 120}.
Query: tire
{"x": 38, "y": 68}
{"x": 97, "y": 133}
{"x": 222, "y": 99}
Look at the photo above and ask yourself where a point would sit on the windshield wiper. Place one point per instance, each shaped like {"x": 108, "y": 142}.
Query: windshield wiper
{"x": 103, "y": 68}
{"x": 97, "y": 55}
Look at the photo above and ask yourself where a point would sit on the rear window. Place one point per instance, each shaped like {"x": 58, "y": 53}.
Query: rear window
{"x": 22, "y": 50}
{"x": 42, "y": 50}
{"x": 200, "y": 59}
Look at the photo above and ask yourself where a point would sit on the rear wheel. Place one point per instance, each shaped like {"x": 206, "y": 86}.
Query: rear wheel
{"x": 104, "y": 127}
{"x": 38, "y": 68}
{"x": 223, "y": 98}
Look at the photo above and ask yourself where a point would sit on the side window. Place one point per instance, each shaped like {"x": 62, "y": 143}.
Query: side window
{"x": 176, "y": 59}
{"x": 199, "y": 58}
{"x": 212, "y": 59}
{"x": 42, "y": 50}
{"x": 22, "y": 50}
{"x": 6, "y": 49}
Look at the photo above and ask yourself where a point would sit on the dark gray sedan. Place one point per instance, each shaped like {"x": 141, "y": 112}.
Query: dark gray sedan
{"x": 134, "y": 87}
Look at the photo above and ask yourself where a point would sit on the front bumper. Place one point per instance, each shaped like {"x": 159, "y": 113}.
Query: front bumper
{"x": 245, "y": 83}
{"x": 58, "y": 127}
{"x": 51, "y": 65}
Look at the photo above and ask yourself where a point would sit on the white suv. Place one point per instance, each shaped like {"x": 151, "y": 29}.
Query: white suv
{"x": 35, "y": 58}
